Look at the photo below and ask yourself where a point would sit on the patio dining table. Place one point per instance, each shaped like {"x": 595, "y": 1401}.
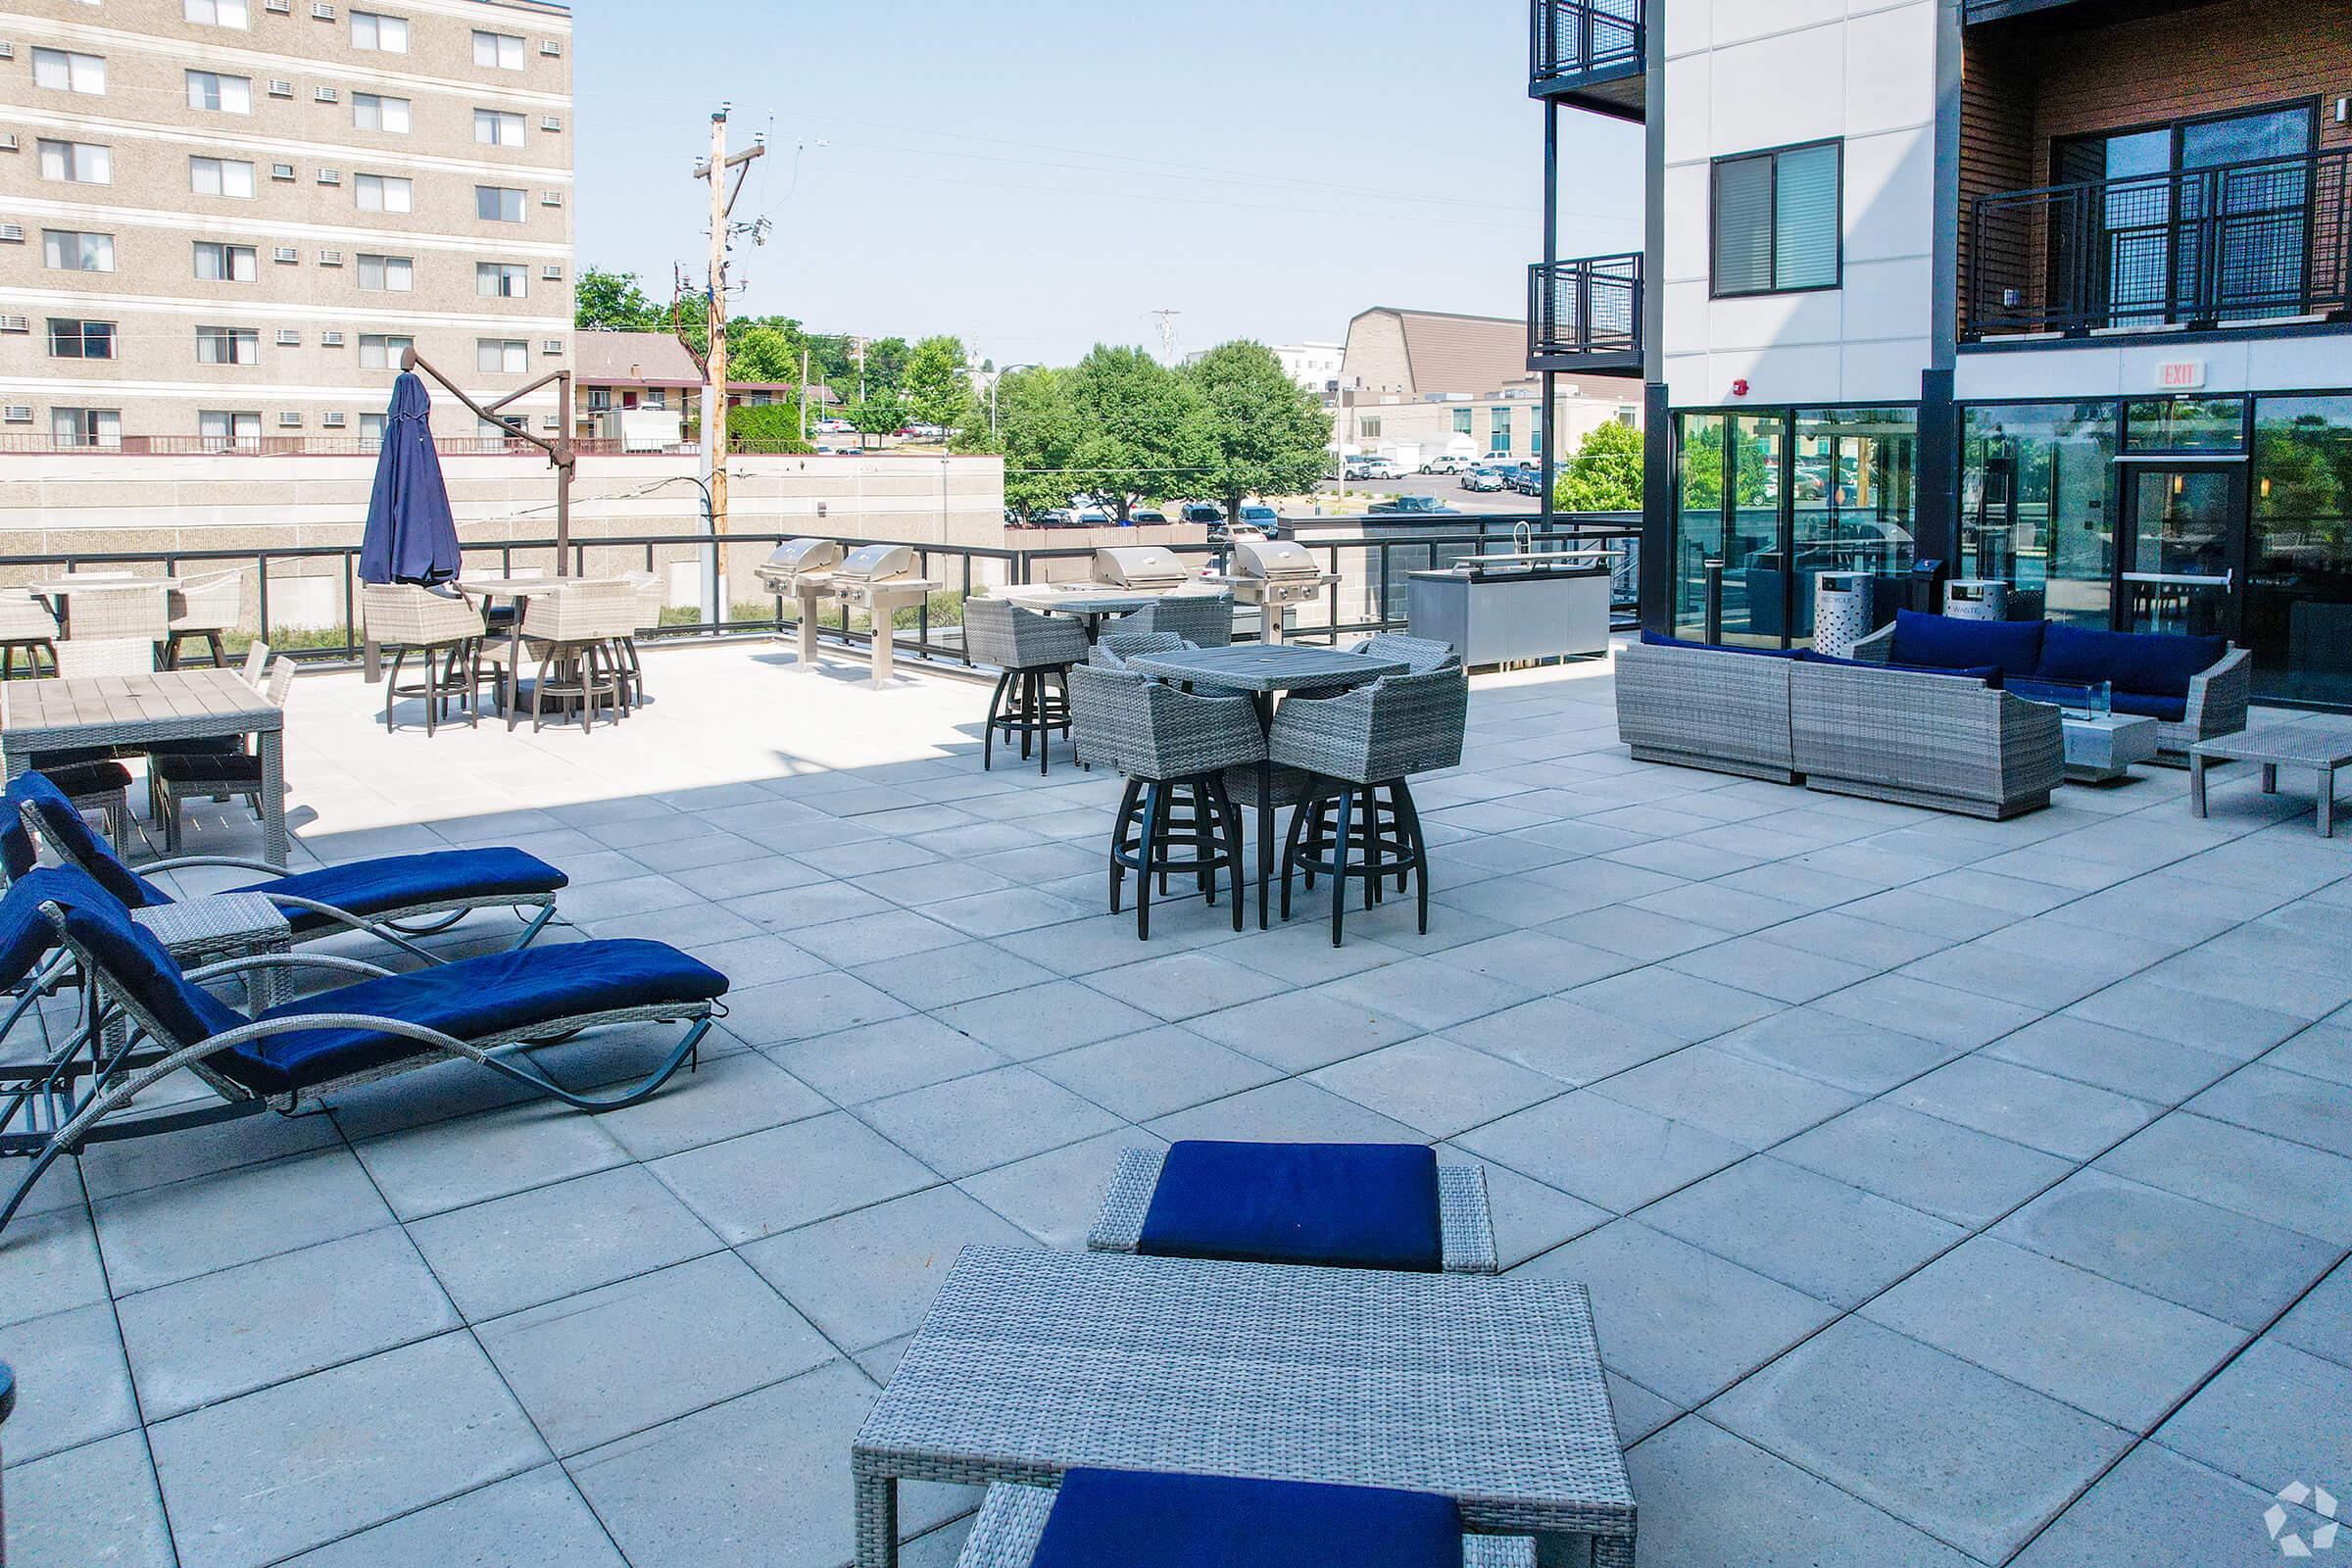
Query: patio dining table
{"x": 1483, "y": 1389}
{"x": 1262, "y": 669}
{"x": 1086, "y": 602}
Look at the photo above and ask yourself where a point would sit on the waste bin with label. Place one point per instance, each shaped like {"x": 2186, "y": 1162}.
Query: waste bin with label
{"x": 1842, "y": 603}
{"x": 1976, "y": 599}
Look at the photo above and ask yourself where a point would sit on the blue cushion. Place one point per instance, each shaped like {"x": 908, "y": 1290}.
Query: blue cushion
{"x": 25, "y": 936}
{"x": 415, "y": 882}
{"x": 1136, "y": 1519}
{"x": 1653, "y": 639}
{"x": 1947, "y": 644}
{"x": 2149, "y": 663}
{"x": 63, "y": 826}
{"x": 1989, "y": 675}
{"x": 472, "y": 999}
{"x": 1350, "y": 1205}
{"x": 2171, "y": 709}
{"x": 136, "y": 964}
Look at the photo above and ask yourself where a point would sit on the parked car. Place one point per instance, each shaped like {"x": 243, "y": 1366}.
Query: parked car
{"x": 1263, "y": 520}
{"x": 834, "y": 427}
{"x": 1201, "y": 512}
{"x": 1481, "y": 480}
{"x": 1498, "y": 460}
{"x": 1446, "y": 464}
{"x": 1524, "y": 481}
{"x": 1148, "y": 515}
{"x": 1374, "y": 469}
{"x": 1054, "y": 517}
{"x": 1414, "y": 507}
{"x": 1094, "y": 518}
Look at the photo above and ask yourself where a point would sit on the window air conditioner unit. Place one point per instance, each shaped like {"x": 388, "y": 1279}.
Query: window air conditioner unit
{"x": 8, "y": 141}
{"x": 282, "y": 8}
{"x": 8, "y": 51}
{"x": 280, "y": 87}
{"x": 550, "y": 48}
{"x": 288, "y": 417}
{"x": 281, "y": 170}
{"x": 551, "y": 198}
{"x": 330, "y": 258}
{"x": 287, "y": 255}
{"x": 325, "y": 13}
{"x": 16, "y": 413}
{"x": 332, "y": 418}
{"x": 552, "y": 345}
{"x": 288, "y": 339}
{"x": 330, "y": 176}
{"x": 551, "y": 421}
{"x": 11, "y": 234}
{"x": 16, "y": 323}
{"x": 324, "y": 95}
{"x": 551, "y": 122}
{"x": 553, "y": 272}
{"x": 331, "y": 340}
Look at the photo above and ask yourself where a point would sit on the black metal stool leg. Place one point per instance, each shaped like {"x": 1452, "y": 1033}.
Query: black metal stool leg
{"x": 1154, "y": 806}
{"x": 1339, "y": 865}
{"x": 1119, "y": 839}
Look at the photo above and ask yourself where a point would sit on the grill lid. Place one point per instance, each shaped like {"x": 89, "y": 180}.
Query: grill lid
{"x": 1276, "y": 559}
{"x": 796, "y": 556}
{"x": 873, "y": 563}
{"x": 1138, "y": 566}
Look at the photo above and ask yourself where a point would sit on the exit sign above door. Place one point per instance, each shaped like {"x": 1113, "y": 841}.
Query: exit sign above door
{"x": 2180, "y": 375}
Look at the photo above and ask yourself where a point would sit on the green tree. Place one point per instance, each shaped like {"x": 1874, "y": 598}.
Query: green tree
{"x": 1144, "y": 432}
{"x": 1605, "y": 475}
{"x": 935, "y": 385}
{"x": 765, "y": 427}
{"x": 1267, "y": 435}
{"x": 763, "y": 351}
{"x": 612, "y": 302}
{"x": 886, "y": 364}
{"x": 1037, "y": 432}
{"x": 879, "y": 414}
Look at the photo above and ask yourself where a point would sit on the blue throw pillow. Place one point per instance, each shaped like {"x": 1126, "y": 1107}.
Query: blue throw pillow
{"x": 1989, "y": 675}
{"x": 1942, "y": 643}
{"x": 1348, "y": 1206}
{"x": 2144, "y": 705}
{"x": 1654, "y": 639}
{"x": 2149, "y": 663}
{"x": 1139, "y": 1519}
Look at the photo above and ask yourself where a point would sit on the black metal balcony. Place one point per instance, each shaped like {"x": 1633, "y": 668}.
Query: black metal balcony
{"x": 1588, "y": 53}
{"x": 2255, "y": 244}
{"x": 1585, "y": 315}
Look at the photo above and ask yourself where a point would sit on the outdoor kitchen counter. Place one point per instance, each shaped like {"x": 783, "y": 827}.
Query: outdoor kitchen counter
{"x": 1502, "y": 616}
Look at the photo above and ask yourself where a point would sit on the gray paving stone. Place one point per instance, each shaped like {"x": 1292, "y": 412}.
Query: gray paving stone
{"x": 95, "y": 1506}
{"x": 2283, "y": 1104}
{"x": 71, "y": 1383}
{"x": 1529, "y": 1217}
{"x": 551, "y": 1241}
{"x": 533, "y": 1520}
{"x": 1154, "y": 1073}
{"x": 2235, "y": 1029}
{"x": 2233, "y": 1167}
{"x": 1428, "y": 993}
{"x": 1055, "y": 1196}
{"x": 2107, "y": 1057}
{"x": 162, "y": 1234}
{"x": 1733, "y": 1097}
{"x": 1290, "y": 1112}
{"x": 1638, "y": 1412}
{"x": 449, "y": 1164}
{"x": 1601, "y": 1150}
{"x": 108, "y": 1170}
{"x": 1436, "y": 1085}
{"x": 1533, "y": 958}
{"x": 1564, "y": 1040}
{"x": 2274, "y": 1412}
{"x": 1039, "y": 1020}
{"x": 49, "y": 1262}
{"x": 1948, "y": 1017}
{"x": 2105, "y": 1349}
{"x": 228, "y": 1332}
{"x": 1940, "y": 1168}
{"x": 2321, "y": 1322}
{"x": 2157, "y": 1508}
{"x": 2322, "y": 1051}
{"x": 625, "y": 1356}
{"x": 725, "y": 1097}
{"x": 1764, "y": 967}
{"x": 1973, "y": 1459}
{"x": 1856, "y": 1055}
{"x": 1176, "y": 986}
{"x": 2225, "y": 1265}
{"x": 2056, "y": 1115}
{"x": 1682, "y": 1322}
{"x": 1301, "y": 953}
{"x": 756, "y": 1186}
{"x": 868, "y": 1276}
{"x": 1711, "y": 1500}
{"x": 375, "y": 1438}
{"x": 1682, "y": 1005}
{"x": 991, "y": 1118}
{"x": 1828, "y": 1239}
{"x": 882, "y": 1058}
{"x": 1641, "y": 935}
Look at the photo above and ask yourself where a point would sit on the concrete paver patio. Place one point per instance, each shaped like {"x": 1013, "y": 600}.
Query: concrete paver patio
{"x": 1950, "y": 1191}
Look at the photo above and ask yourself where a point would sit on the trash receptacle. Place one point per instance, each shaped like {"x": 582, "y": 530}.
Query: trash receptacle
{"x": 1842, "y": 612}
{"x": 1976, "y": 599}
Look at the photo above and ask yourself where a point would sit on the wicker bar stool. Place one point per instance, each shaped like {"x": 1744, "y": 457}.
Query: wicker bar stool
{"x": 203, "y": 606}
{"x": 1205, "y": 620}
{"x": 626, "y": 664}
{"x": 114, "y": 626}
{"x": 26, "y": 625}
{"x": 570, "y": 633}
{"x": 1175, "y": 748}
{"x": 1356, "y": 745}
{"x": 1035, "y": 652}
{"x": 1419, "y": 655}
{"x": 405, "y": 618}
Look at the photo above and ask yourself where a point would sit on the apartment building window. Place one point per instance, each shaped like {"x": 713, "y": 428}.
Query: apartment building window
{"x": 81, "y": 162}
{"x": 86, "y": 427}
{"x": 373, "y": 30}
{"x": 500, "y": 356}
{"x": 222, "y": 95}
{"x": 67, "y": 72}
{"x": 217, "y": 13}
{"x": 1499, "y": 430}
{"x": 228, "y": 345}
{"x": 223, "y": 428}
{"x": 371, "y": 111}
{"x": 381, "y": 352}
{"x": 495, "y": 128}
{"x": 70, "y": 338}
{"x": 1461, "y": 422}
{"x": 1776, "y": 217}
{"x": 501, "y": 281}
{"x": 385, "y": 193}
{"x": 496, "y": 204}
{"x": 600, "y": 399}
{"x": 387, "y": 274}
{"x": 499, "y": 51}
{"x": 372, "y": 428}
{"x": 69, "y": 250}
{"x": 219, "y": 263}
{"x": 219, "y": 176}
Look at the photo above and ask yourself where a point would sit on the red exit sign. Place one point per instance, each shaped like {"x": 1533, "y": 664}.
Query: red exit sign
{"x": 2180, "y": 375}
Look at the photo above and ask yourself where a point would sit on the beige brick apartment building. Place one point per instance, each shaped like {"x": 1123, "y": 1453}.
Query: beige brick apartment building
{"x": 220, "y": 220}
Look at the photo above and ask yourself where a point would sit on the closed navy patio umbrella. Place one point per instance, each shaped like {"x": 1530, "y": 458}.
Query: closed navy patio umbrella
{"x": 411, "y": 535}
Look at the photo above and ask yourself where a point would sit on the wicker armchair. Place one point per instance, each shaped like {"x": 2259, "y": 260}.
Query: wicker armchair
{"x": 570, "y": 633}
{"x": 405, "y": 618}
{"x": 1420, "y": 655}
{"x": 626, "y": 667}
{"x": 1358, "y": 747}
{"x": 26, "y": 623}
{"x": 1205, "y": 620}
{"x": 114, "y": 626}
{"x": 203, "y": 606}
{"x": 176, "y": 777}
{"x": 1033, "y": 653}
{"x": 1174, "y": 747}
{"x": 1114, "y": 649}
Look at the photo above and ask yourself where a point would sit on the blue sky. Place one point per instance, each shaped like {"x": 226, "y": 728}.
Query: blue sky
{"x": 1038, "y": 175}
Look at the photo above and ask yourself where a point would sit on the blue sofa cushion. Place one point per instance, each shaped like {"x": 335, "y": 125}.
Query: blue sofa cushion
{"x": 1656, "y": 639}
{"x": 136, "y": 962}
{"x": 415, "y": 882}
{"x": 2151, "y": 663}
{"x": 2171, "y": 709}
{"x": 472, "y": 999}
{"x": 1989, "y": 675}
{"x": 62, "y": 824}
{"x": 1943, "y": 643}
{"x": 1349, "y": 1206}
{"x": 1137, "y": 1519}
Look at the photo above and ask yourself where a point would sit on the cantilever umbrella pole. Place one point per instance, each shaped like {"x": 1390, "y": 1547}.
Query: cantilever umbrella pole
{"x": 558, "y": 452}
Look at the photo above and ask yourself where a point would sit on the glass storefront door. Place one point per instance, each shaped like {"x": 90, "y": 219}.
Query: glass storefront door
{"x": 2183, "y": 524}
{"x": 2298, "y": 597}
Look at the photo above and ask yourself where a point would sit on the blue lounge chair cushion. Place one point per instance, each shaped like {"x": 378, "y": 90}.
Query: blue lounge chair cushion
{"x": 474, "y": 998}
{"x": 415, "y": 882}
{"x": 1138, "y": 1519}
{"x": 61, "y": 821}
{"x": 1947, "y": 644}
{"x": 1348, "y": 1206}
{"x": 2149, "y": 664}
{"x": 25, "y": 935}
{"x": 2171, "y": 710}
{"x": 136, "y": 963}
{"x": 1658, "y": 639}
{"x": 1989, "y": 674}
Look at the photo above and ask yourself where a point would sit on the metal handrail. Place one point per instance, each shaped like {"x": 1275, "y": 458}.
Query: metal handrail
{"x": 1587, "y": 305}
{"x": 1583, "y": 38}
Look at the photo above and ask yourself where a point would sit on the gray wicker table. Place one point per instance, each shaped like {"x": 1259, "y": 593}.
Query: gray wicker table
{"x": 2315, "y": 744}
{"x": 133, "y": 710}
{"x": 1487, "y": 1390}
{"x": 1261, "y": 669}
{"x": 1090, "y": 605}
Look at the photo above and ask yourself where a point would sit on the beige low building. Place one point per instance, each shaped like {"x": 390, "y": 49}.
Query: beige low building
{"x": 644, "y": 391}
{"x": 221, "y": 221}
{"x": 1420, "y": 384}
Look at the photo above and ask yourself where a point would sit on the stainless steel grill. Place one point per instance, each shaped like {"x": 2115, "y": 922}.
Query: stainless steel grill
{"x": 1145, "y": 567}
{"x": 1273, "y": 574}
{"x": 795, "y": 559}
{"x": 870, "y": 570}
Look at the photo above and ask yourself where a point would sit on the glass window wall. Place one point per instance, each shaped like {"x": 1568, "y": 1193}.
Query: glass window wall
{"x": 2036, "y": 509}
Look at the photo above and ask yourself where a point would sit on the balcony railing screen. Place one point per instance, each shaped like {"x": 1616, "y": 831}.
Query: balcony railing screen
{"x": 1589, "y": 306}
{"x": 1587, "y": 37}
{"x": 2261, "y": 239}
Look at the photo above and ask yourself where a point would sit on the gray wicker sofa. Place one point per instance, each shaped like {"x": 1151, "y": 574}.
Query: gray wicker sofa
{"x": 1707, "y": 708}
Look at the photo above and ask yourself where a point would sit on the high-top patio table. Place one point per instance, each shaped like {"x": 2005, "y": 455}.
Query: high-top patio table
{"x": 2318, "y": 745}
{"x": 1261, "y": 669}
{"x": 1484, "y": 1388}
{"x": 1089, "y": 603}
{"x": 140, "y": 710}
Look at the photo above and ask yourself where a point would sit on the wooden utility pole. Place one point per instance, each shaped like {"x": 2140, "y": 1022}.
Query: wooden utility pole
{"x": 715, "y": 367}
